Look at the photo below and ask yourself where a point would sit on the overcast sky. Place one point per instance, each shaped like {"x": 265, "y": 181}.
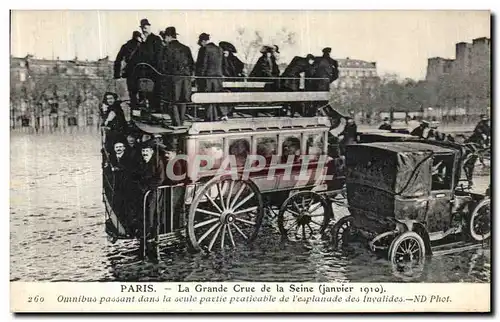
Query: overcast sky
{"x": 399, "y": 41}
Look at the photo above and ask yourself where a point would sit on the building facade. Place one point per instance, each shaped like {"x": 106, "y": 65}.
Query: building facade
{"x": 470, "y": 58}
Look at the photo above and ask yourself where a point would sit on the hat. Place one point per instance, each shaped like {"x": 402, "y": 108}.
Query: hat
{"x": 276, "y": 49}
{"x": 203, "y": 36}
{"x": 145, "y": 22}
{"x": 266, "y": 49}
{"x": 309, "y": 56}
{"x": 386, "y": 119}
{"x": 170, "y": 31}
{"x": 148, "y": 144}
{"x": 327, "y": 50}
{"x": 136, "y": 34}
{"x": 484, "y": 117}
{"x": 227, "y": 46}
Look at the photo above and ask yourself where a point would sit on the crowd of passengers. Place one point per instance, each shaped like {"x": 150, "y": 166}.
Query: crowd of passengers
{"x": 213, "y": 64}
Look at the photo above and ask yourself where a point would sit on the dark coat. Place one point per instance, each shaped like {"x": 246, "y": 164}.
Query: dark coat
{"x": 177, "y": 59}
{"x": 265, "y": 68}
{"x": 232, "y": 66}
{"x": 209, "y": 61}
{"x": 125, "y": 163}
{"x": 119, "y": 122}
{"x": 325, "y": 67}
{"x": 150, "y": 50}
{"x": 297, "y": 66}
{"x": 350, "y": 133}
{"x": 385, "y": 127}
{"x": 152, "y": 173}
{"x": 129, "y": 54}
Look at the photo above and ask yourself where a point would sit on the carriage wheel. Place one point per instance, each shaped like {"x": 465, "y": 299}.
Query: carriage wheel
{"x": 225, "y": 213}
{"x": 480, "y": 221}
{"x": 303, "y": 216}
{"x": 407, "y": 254}
{"x": 342, "y": 232}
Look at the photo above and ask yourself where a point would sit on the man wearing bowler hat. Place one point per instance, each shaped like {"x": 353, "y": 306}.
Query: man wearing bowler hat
{"x": 150, "y": 51}
{"x": 209, "y": 63}
{"x": 152, "y": 176}
{"x": 177, "y": 62}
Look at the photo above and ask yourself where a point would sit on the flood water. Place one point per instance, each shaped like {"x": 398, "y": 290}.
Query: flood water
{"x": 57, "y": 233}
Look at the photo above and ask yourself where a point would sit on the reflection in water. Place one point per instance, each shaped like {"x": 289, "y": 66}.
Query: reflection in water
{"x": 57, "y": 234}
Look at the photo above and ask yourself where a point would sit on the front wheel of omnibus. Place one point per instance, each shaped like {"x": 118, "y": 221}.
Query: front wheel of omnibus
{"x": 304, "y": 216}
{"x": 225, "y": 213}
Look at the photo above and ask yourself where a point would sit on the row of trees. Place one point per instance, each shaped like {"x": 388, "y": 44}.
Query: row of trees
{"x": 450, "y": 95}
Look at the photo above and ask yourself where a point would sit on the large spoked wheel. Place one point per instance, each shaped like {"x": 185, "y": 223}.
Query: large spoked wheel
{"x": 224, "y": 214}
{"x": 407, "y": 254}
{"x": 303, "y": 216}
{"x": 342, "y": 232}
{"x": 480, "y": 221}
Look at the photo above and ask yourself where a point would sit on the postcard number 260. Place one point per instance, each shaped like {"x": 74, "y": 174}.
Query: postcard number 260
{"x": 36, "y": 299}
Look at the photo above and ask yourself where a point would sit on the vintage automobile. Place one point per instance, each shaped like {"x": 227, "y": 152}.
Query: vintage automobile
{"x": 403, "y": 198}
{"x": 214, "y": 206}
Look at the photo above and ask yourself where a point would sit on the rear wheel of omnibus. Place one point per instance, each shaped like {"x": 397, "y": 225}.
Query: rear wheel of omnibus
{"x": 225, "y": 213}
{"x": 304, "y": 216}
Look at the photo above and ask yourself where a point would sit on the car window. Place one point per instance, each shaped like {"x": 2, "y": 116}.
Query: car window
{"x": 442, "y": 172}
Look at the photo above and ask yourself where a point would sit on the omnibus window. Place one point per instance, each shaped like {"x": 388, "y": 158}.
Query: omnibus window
{"x": 442, "y": 172}
{"x": 240, "y": 148}
{"x": 291, "y": 146}
{"x": 315, "y": 145}
{"x": 267, "y": 147}
{"x": 212, "y": 149}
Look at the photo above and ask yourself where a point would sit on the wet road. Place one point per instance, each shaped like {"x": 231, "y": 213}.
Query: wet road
{"x": 57, "y": 233}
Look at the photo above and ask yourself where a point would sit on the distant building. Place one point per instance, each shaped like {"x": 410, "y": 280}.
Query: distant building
{"x": 356, "y": 74}
{"x": 469, "y": 58}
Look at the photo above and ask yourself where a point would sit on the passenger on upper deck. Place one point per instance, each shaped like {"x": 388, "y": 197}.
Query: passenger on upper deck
{"x": 112, "y": 119}
{"x": 125, "y": 62}
{"x": 297, "y": 66}
{"x": 151, "y": 45}
{"x": 150, "y": 53}
{"x": 122, "y": 159}
{"x": 177, "y": 61}
{"x": 266, "y": 66}
{"x": 209, "y": 63}
{"x": 324, "y": 67}
{"x": 133, "y": 149}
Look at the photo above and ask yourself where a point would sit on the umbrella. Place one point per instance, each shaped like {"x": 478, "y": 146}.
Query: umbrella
{"x": 226, "y": 46}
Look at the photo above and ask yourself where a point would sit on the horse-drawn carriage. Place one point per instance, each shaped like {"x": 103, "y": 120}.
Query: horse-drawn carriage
{"x": 233, "y": 175}
{"x": 404, "y": 199}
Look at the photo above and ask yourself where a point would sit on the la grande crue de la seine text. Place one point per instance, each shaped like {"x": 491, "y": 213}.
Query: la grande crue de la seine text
{"x": 248, "y": 288}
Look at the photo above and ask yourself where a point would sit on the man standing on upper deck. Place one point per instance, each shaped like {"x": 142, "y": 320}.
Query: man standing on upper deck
{"x": 177, "y": 62}
{"x": 150, "y": 51}
{"x": 151, "y": 45}
{"x": 326, "y": 68}
{"x": 209, "y": 63}
{"x": 125, "y": 62}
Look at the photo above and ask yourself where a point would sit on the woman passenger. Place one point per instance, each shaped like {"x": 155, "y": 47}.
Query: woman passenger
{"x": 112, "y": 120}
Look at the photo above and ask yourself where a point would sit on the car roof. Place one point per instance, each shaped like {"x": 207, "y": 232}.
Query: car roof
{"x": 409, "y": 147}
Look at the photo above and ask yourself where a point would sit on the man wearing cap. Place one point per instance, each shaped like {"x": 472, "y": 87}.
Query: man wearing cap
{"x": 482, "y": 131}
{"x": 125, "y": 62}
{"x": 327, "y": 69}
{"x": 177, "y": 62}
{"x": 386, "y": 125}
{"x": 209, "y": 63}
